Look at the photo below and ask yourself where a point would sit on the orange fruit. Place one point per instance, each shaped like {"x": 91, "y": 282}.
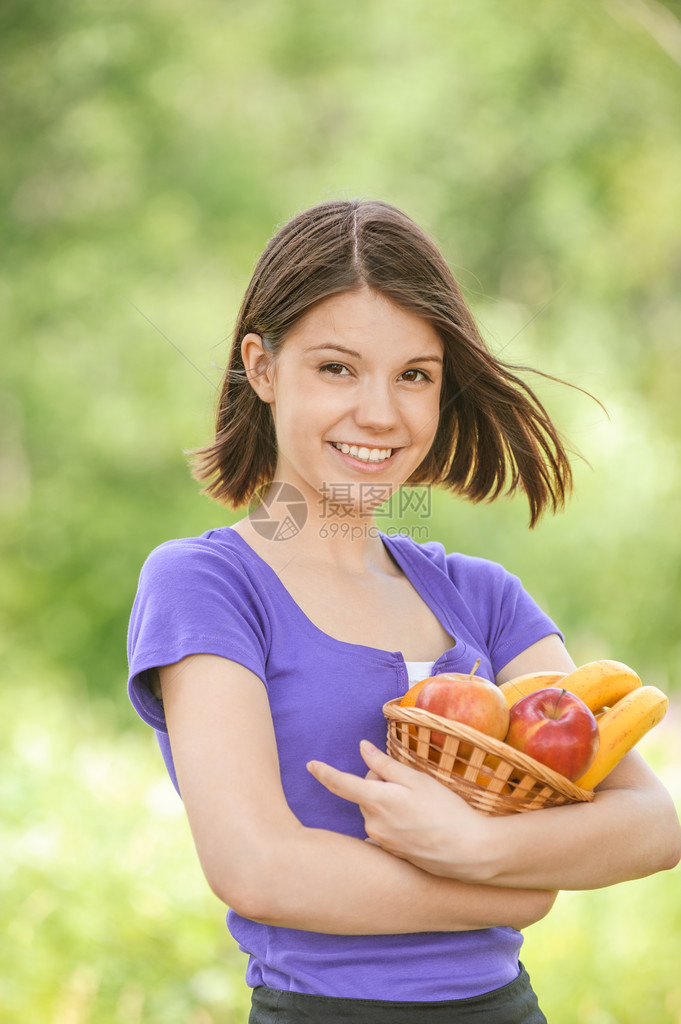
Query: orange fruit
{"x": 409, "y": 699}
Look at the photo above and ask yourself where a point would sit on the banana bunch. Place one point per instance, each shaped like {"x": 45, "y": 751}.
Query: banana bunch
{"x": 625, "y": 709}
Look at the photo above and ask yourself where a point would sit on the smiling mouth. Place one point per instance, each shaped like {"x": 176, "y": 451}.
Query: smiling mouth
{"x": 364, "y": 454}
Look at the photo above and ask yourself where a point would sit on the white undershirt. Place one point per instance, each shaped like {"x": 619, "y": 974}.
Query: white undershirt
{"x": 418, "y": 670}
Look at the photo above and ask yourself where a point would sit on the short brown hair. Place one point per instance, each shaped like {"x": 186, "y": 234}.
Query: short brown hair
{"x": 494, "y": 435}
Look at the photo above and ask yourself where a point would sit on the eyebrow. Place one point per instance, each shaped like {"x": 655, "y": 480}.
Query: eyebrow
{"x": 358, "y": 355}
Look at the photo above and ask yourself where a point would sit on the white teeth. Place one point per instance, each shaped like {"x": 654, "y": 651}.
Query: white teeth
{"x": 364, "y": 454}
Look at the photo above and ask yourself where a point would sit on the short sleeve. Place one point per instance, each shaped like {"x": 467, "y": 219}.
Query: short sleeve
{"x": 192, "y": 598}
{"x": 509, "y": 619}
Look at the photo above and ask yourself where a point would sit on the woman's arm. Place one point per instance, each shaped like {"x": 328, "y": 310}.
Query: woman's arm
{"x": 260, "y": 860}
{"x": 630, "y": 830}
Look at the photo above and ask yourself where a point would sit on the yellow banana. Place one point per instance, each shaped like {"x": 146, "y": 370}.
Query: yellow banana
{"x": 521, "y": 686}
{"x": 601, "y": 684}
{"x": 621, "y": 727}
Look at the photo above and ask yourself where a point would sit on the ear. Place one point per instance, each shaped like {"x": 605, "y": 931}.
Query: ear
{"x": 259, "y": 367}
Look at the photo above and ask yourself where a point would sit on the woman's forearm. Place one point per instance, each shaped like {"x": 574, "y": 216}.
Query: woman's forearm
{"x": 630, "y": 830}
{"x": 626, "y": 833}
{"x": 323, "y": 881}
{"x": 258, "y": 857}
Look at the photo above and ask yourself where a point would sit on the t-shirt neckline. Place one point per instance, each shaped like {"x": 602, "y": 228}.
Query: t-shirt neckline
{"x": 415, "y": 578}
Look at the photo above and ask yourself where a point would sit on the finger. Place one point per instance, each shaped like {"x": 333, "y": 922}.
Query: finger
{"x": 386, "y": 767}
{"x": 343, "y": 784}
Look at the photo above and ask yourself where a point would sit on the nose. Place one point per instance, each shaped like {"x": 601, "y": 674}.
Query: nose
{"x": 376, "y": 407}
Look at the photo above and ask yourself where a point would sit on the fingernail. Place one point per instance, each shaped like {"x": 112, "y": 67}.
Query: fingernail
{"x": 367, "y": 747}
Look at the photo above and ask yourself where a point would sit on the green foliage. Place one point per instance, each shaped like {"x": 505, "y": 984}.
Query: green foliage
{"x": 150, "y": 151}
{"x": 107, "y": 917}
{"x": 611, "y": 956}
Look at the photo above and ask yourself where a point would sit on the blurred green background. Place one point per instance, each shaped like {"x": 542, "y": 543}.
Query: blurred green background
{"x": 149, "y": 151}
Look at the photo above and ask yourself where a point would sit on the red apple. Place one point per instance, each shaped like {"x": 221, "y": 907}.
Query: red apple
{"x": 468, "y": 699}
{"x": 557, "y": 728}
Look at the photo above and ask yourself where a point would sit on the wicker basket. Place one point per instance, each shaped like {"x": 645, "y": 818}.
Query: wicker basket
{"x": 490, "y": 775}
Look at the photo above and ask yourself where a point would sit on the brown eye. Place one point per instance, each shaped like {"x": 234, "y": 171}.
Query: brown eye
{"x": 335, "y": 369}
{"x": 413, "y": 379}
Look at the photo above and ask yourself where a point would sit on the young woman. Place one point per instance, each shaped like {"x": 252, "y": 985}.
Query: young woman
{"x": 262, "y": 653}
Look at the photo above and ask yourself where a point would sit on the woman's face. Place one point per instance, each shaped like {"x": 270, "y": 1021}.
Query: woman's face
{"x": 355, "y": 395}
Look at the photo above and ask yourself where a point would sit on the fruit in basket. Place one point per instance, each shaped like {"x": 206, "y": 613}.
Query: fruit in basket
{"x": 409, "y": 699}
{"x": 600, "y": 684}
{"x": 621, "y": 727}
{"x": 556, "y": 728}
{"x": 468, "y": 699}
{"x": 519, "y": 687}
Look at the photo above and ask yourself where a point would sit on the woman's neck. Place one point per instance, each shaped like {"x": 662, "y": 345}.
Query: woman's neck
{"x": 341, "y": 544}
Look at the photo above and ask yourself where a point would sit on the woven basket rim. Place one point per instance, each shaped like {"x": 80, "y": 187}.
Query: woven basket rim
{"x": 417, "y": 716}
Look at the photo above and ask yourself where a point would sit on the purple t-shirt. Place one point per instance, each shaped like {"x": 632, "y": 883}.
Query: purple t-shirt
{"x": 214, "y": 595}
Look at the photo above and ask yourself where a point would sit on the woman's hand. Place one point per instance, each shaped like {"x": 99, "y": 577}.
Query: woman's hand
{"x": 629, "y": 831}
{"x": 410, "y": 814}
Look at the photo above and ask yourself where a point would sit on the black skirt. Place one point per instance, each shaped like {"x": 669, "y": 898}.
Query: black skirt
{"x": 514, "y": 1003}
